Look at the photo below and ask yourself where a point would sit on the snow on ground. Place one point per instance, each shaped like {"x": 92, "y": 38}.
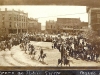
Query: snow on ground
{"x": 18, "y": 57}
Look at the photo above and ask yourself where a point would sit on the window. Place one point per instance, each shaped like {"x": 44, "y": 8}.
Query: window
{"x": 3, "y": 24}
{"x": 3, "y": 18}
{"x": 9, "y": 18}
{"x": 51, "y": 26}
{"x": 19, "y": 18}
{"x": 24, "y": 19}
{"x": 9, "y": 25}
{"x": 15, "y": 24}
{"x": 98, "y": 15}
{"x": 15, "y": 17}
{"x": 22, "y": 25}
{"x": 98, "y": 20}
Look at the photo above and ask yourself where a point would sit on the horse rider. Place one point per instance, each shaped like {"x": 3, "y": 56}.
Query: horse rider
{"x": 41, "y": 53}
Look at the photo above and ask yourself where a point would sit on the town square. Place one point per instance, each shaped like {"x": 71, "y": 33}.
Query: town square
{"x": 70, "y": 39}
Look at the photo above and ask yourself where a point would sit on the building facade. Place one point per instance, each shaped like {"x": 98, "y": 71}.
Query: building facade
{"x": 51, "y": 26}
{"x": 39, "y": 27}
{"x": 68, "y": 24}
{"x": 94, "y": 18}
{"x": 84, "y": 26}
{"x": 12, "y": 21}
{"x": 33, "y": 25}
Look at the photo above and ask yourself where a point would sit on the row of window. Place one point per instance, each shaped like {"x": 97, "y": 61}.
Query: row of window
{"x": 98, "y": 15}
{"x": 98, "y": 18}
{"x": 20, "y": 19}
{"x": 67, "y": 21}
{"x": 10, "y": 15}
{"x": 70, "y": 27}
{"x": 51, "y": 27}
{"x": 95, "y": 18}
{"x": 15, "y": 25}
{"x": 63, "y": 24}
{"x": 16, "y": 17}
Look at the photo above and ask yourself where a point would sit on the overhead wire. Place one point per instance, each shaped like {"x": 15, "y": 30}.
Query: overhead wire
{"x": 61, "y": 15}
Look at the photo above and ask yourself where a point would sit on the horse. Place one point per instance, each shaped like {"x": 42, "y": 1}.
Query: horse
{"x": 65, "y": 61}
{"x": 42, "y": 57}
{"x": 22, "y": 46}
{"x": 34, "y": 53}
{"x": 3, "y": 46}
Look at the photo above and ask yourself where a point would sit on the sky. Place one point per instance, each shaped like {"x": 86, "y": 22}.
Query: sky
{"x": 51, "y": 12}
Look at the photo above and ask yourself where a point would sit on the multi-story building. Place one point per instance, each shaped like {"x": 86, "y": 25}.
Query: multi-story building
{"x": 12, "y": 21}
{"x": 39, "y": 27}
{"x": 51, "y": 26}
{"x": 94, "y": 18}
{"x": 33, "y": 25}
{"x": 68, "y": 24}
{"x": 84, "y": 26}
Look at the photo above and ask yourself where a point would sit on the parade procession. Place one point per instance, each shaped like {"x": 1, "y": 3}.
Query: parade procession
{"x": 66, "y": 42}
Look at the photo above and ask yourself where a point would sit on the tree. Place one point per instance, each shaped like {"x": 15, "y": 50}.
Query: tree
{"x": 92, "y": 36}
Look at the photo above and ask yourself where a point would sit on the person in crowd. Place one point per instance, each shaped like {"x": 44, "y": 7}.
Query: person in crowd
{"x": 83, "y": 50}
{"x": 41, "y": 53}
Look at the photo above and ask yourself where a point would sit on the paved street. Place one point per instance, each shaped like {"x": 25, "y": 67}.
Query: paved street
{"x": 17, "y": 57}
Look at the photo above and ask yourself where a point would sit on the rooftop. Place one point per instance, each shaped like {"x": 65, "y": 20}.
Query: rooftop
{"x": 19, "y": 11}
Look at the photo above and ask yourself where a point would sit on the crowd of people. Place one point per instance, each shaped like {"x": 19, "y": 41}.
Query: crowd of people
{"x": 23, "y": 40}
{"x": 73, "y": 46}
{"x": 9, "y": 41}
{"x": 76, "y": 47}
{"x": 45, "y": 38}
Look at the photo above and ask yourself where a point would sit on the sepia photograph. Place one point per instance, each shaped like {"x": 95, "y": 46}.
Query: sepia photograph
{"x": 49, "y": 36}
